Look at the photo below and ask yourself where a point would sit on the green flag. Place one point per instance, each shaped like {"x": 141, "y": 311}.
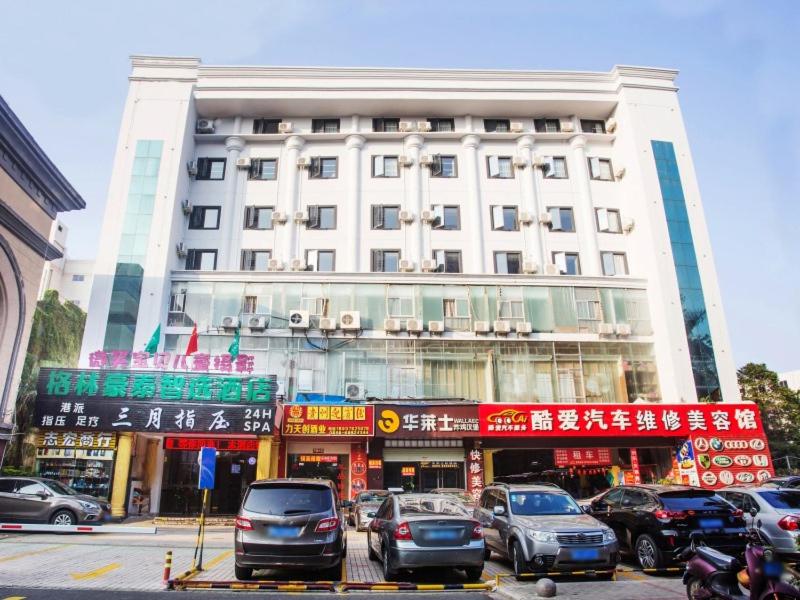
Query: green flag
{"x": 152, "y": 345}
{"x": 233, "y": 349}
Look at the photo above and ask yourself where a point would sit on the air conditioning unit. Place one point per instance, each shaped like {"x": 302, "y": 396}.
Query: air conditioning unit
{"x": 628, "y": 225}
{"x": 529, "y": 267}
{"x": 481, "y": 327}
{"x": 523, "y": 327}
{"x": 302, "y": 162}
{"x": 525, "y": 218}
{"x": 231, "y": 322}
{"x": 611, "y": 125}
{"x": 406, "y": 126}
{"x": 273, "y": 264}
{"x": 427, "y": 216}
{"x": 285, "y": 127}
{"x": 297, "y": 264}
{"x": 298, "y": 319}
{"x": 406, "y": 216}
{"x": 406, "y": 266}
{"x": 180, "y": 249}
{"x": 423, "y": 126}
{"x": 186, "y": 207}
{"x": 623, "y": 329}
{"x": 278, "y": 216}
{"x": 567, "y": 126}
{"x": 425, "y": 160}
{"x": 191, "y": 167}
{"x": 545, "y": 218}
{"x": 327, "y": 324}
{"x": 428, "y": 265}
{"x": 538, "y": 161}
{"x": 414, "y": 326}
{"x": 605, "y": 329}
{"x": 257, "y": 322}
{"x": 515, "y": 127}
{"x": 391, "y": 325}
{"x": 519, "y": 162}
{"x": 300, "y": 216}
{"x": 350, "y": 320}
{"x": 502, "y": 327}
{"x": 436, "y": 326}
{"x": 405, "y": 161}
{"x": 204, "y": 126}
{"x": 552, "y": 269}
{"x": 242, "y": 163}
{"x": 620, "y": 173}
{"x": 354, "y": 390}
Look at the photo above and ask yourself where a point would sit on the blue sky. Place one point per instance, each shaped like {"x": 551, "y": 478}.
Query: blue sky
{"x": 64, "y": 67}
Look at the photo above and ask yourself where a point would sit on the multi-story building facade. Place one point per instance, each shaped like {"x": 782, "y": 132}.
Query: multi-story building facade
{"x": 402, "y": 235}
{"x": 71, "y": 278}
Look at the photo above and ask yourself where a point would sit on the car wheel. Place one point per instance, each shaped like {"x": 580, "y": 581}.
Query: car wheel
{"x": 474, "y": 573}
{"x": 648, "y": 554}
{"x": 388, "y": 572}
{"x": 371, "y": 554}
{"x": 242, "y": 573}
{"x": 63, "y": 517}
{"x": 518, "y": 559}
{"x": 693, "y": 586}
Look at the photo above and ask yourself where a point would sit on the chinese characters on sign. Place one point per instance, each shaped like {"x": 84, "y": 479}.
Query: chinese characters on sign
{"x": 76, "y": 439}
{"x": 163, "y": 361}
{"x": 475, "y": 473}
{"x": 578, "y": 457}
{"x": 226, "y": 444}
{"x": 328, "y": 420}
{"x": 419, "y": 420}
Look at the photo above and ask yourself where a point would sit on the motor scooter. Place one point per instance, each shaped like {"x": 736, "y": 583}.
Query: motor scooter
{"x": 712, "y": 575}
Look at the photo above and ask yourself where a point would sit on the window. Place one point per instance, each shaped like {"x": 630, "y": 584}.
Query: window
{"x": 177, "y": 304}
{"x": 7, "y": 486}
{"x": 547, "y": 125}
{"x": 399, "y": 302}
{"x": 593, "y": 126}
{"x": 250, "y": 305}
{"x": 504, "y": 218}
{"x": 321, "y": 217}
{"x": 323, "y": 168}
{"x": 600, "y": 168}
{"x": 444, "y": 166}
{"x": 496, "y": 125}
{"x": 210, "y": 169}
{"x": 385, "y": 217}
{"x": 255, "y": 260}
{"x": 386, "y": 125}
{"x": 555, "y": 167}
{"x": 263, "y": 168}
{"x": 510, "y": 305}
{"x": 447, "y": 261}
{"x": 325, "y": 125}
{"x": 608, "y": 220}
{"x": 507, "y": 263}
{"x": 77, "y": 277}
{"x": 258, "y": 217}
{"x": 442, "y": 125}
{"x": 446, "y": 217}
{"x": 456, "y": 313}
{"x": 266, "y": 125}
{"x": 385, "y": 261}
{"x": 568, "y": 263}
{"x": 385, "y": 166}
{"x": 201, "y": 260}
{"x": 29, "y": 488}
{"x": 321, "y": 260}
{"x": 499, "y": 167}
{"x": 561, "y": 219}
{"x": 204, "y": 217}
{"x": 588, "y": 308}
{"x": 614, "y": 263}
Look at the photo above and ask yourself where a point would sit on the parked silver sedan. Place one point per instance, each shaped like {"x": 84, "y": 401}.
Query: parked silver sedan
{"x": 412, "y": 531}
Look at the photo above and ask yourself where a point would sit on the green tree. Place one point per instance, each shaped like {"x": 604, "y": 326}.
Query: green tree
{"x": 779, "y": 406}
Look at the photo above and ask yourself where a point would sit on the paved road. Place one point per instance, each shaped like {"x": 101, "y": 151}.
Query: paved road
{"x": 34, "y": 594}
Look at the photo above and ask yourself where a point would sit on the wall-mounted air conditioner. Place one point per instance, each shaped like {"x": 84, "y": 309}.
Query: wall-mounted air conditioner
{"x": 186, "y": 207}
{"x": 427, "y": 216}
{"x": 302, "y": 162}
{"x": 567, "y": 126}
{"x": 414, "y": 326}
{"x": 350, "y": 320}
{"x": 425, "y": 160}
{"x": 298, "y": 319}
{"x": 423, "y": 126}
{"x": 204, "y": 126}
{"x": 391, "y": 325}
{"x": 516, "y": 127}
{"x": 327, "y": 324}
{"x": 523, "y": 327}
{"x": 605, "y": 328}
{"x": 628, "y": 225}
{"x": 406, "y": 126}
{"x": 300, "y": 216}
{"x": 611, "y": 125}
{"x": 529, "y": 267}
{"x": 525, "y": 218}
{"x": 539, "y": 161}
{"x": 297, "y": 264}
{"x": 406, "y": 216}
{"x": 285, "y": 127}
{"x": 481, "y": 327}
{"x": 619, "y": 173}
{"x": 181, "y": 250}
{"x": 428, "y": 265}
{"x": 405, "y": 161}
{"x": 274, "y": 264}
{"x": 230, "y": 322}
{"x": 243, "y": 163}
{"x": 519, "y": 162}
{"x": 552, "y": 269}
{"x": 623, "y": 329}
{"x": 191, "y": 167}
{"x": 406, "y": 266}
{"x": 354, "y": 390}
{"x": 502, "y": 327}
{"x": 278, "y": 216}
{"x": 545, "y": 218}
{"x": 436, "y": 326}
{"x": 258, "y": 322}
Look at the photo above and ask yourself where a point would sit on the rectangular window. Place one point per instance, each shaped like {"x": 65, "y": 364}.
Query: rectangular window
{"x": 446, "y": 217}
{"x": 258, "y": 217}
{"x": 442, "y": 125}
{"x": 325, "y": 125}
{"x": 77, "y": 277}
{"x": 456, "y": 313}
{"x": 263, "y": 168}
{"x": 385, "y": 166}
{"x": 386, "y": 125}
{"x": 504, "y": 218}
{"x": 266, "y": 125}
{"x": 568, "y": 263}
{"x": 614, "y": 263}
{"x": 593, "y": 126}
{"x": 561, "y": 219}
{"x": 499, "y": 167}
{"x": 385, "y": 217}
{"x": 608, "y": 220}
{"x": 447, "y": 261}
{"x": 321, "y": 217}
{"x": 212, "y": 169}
{"x": 510, "y": 305}
{"x": 496, "y": 125}
{"x": 201, "y": 260}
{"x": 255, "y": 260}
{"x": 555, "y": 167}
{"x": 444, "y": 166}
{"x": 323, "y": 168}
{"x": 547, "y": 125}
{"x": 385, "y": 261}
{"x": 321, "y": 260}
{"x": 399, "y": 302}
{"x": 508, "y": 263}
{"x": 600, "y": 168}
{"x": 204, "y": 217}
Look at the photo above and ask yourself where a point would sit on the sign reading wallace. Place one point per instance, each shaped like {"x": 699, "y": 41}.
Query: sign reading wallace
{"x": 98, "y": 400}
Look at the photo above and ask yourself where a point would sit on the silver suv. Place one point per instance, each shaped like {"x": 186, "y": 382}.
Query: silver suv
{"x": 48, "y": 501}
{"x": 541, "y": 528}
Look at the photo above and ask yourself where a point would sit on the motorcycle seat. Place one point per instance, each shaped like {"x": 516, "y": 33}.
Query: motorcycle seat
{"x": 720, "y": 561}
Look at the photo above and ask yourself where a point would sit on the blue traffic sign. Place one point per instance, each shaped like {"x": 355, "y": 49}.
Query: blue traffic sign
{"x": 207, "y": 459}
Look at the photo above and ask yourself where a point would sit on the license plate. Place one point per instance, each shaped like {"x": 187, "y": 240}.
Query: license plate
{"x": 711, "y": 523}
{"x": 442, "y": 535}
{"x": 585, "y": 554}
{"x": 284, "y": 532}
{"x": 773, "y": 569}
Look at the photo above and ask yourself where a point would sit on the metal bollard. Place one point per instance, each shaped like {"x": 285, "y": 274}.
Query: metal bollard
{"x": 168, "y": 569}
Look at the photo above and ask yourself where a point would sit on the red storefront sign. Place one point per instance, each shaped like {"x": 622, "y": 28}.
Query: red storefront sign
{"x": 426, "y": 420}
{"x": 578, "y": 457}
{"x": 358, "y": 470}
{"x": 224, "y": 444}
{"x": 730, "y": 459}
{"x": 328, "y": 420}
{"x": 637, "y": 474}
{"x": 475, "y": 473}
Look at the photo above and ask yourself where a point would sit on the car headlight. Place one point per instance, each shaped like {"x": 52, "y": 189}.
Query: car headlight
{"x": 609, "y": 535}
{"x": 88, "y": 505}
{"x": 547, "y": 537}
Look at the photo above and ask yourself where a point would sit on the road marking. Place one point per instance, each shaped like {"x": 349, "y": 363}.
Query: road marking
{"x": 633, "y": 576}
{"x": 216, "y": 560}
{"x": 96, "y": 572}
{"x": 32, "y": 553}
{"x": 344, "y": 570}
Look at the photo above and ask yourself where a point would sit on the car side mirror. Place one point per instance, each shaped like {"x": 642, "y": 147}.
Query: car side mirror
{"x": 371, "y": 514}
{"x": 753, "y": 511}
{"x": 43, "y": 495}
{"x": 499, "y": 510}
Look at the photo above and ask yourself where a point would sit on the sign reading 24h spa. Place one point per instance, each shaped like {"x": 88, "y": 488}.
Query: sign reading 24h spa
{"x": 426, "y": 420}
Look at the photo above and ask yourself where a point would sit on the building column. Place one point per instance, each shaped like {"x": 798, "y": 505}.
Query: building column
{"x": 122, "y": 468}
{"x": 291, "y": 196}
{"x": 274, "y": 458}
{"x": 480, "y": 262}
{"x": 158, "y": 480}
{"x": 264, "y": 457}
{"x": 231, "y": 213}
{"x": 532, "y": 232}
{"x": 415, "y": 246}
{"x": 584, "y": 211}
{"x": 354, "y": 144}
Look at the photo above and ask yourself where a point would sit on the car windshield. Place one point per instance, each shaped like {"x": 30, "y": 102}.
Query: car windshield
{"x": 60, "y": 488}
{"x": 288, "y": 500}
{"x": 543, "y": 503}
{"x": 694, "y": 501}
{"x": 782, "y": 499}
{"x": 372, "y": 497}
{"x": 432, "y": 505}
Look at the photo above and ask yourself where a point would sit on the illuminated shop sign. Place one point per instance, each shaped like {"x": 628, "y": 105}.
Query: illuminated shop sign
{"x": 420, "y": 421}
{"x": 328, "y": 420}
{"x": 169, "y": 361}
{"x": 578, "y": 457}
{"x": 226, "y": 444}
